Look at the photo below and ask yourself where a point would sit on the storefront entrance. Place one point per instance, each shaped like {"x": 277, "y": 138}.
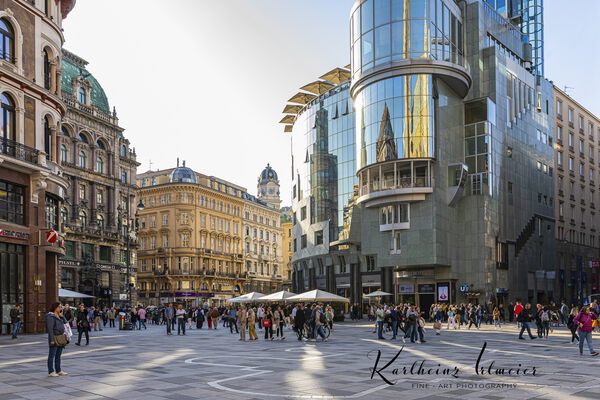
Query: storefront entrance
{"x": 12, "y": 278}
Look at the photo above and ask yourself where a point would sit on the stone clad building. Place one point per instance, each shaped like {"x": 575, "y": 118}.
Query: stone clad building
{"x": 100, "y": 165}
{"x": 32, "y": 185}
{"x": 425, "y": 168}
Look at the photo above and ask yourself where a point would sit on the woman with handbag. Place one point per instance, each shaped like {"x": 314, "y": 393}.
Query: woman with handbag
{"x": 57, "y": 340}
{"x": 267, "y": 323}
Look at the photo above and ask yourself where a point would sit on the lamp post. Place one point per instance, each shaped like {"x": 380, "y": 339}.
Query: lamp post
{"x": 140, "y": 207}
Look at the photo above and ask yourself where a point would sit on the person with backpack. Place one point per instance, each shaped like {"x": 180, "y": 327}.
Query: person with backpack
{"x": 320, "y": 321}
{"x": 583, "y": 321}
{"x": 199, "y": 318}
{"x": 545, "y": 320}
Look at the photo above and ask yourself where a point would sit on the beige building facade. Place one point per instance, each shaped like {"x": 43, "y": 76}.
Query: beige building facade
{"x": 577, "y": 160}
{"x": 197, "y": 240}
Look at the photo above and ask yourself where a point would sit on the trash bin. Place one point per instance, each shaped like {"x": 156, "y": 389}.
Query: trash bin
{"x": 122, "y": 321}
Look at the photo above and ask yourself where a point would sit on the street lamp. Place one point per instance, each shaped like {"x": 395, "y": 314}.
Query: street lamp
{"x": 139, "y": 207}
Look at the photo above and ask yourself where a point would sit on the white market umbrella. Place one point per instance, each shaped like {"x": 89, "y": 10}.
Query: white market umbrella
{"x": 318, "y": 295}
{"x": 377, "y": 293}
{"x": 279, "y": 296}
{"x": 247, "y": 298}
{"x": 71, "y": 294}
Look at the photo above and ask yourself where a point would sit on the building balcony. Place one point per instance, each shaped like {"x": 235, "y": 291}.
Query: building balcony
{"x": 90, "y": 110}
{"x": 572, "y": 197}
{"x": 581, "y": 131}
{"x": 561, "y": 192}
{"x": 401, "y": 180}
{"x": 571, "y": 125}
{"x": 18, "y": 151}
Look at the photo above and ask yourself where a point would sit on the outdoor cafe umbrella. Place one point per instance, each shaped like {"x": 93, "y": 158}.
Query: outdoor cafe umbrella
{"x": 247, "y": 298}
{"x": 71, "y": 294}
{"x": 318, "y": 295}
{"x": 377, "y": 293}
{"x": 279, "y": 296}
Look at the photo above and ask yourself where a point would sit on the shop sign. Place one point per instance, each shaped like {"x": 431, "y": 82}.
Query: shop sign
{"x": 406, "y": 288}
{"x": 427, "y": 288}
{"x": 321, "y": 283}
{"x": 463, "y": 288}
{"x": 501, "y": 290}
{"x": 69, "y": 262}
{"x": 443, "y": 293}
{"x": 187, "y": 294}
{"x": 371, "y": 280}
{"x": 550, "y": 274}
{"x": 540, "y": 274}
{"x": 14, "y": 234}
{"x": 342, "y": 281}
{"x": 594, "y": 263}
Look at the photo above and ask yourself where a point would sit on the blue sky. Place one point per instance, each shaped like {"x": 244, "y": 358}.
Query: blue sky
{"x": 206, "y": 80}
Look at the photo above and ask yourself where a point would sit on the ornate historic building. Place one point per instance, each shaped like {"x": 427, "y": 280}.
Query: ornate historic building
{"x": 32, "y": 186}
{"x": 196, "y": 238}
{"x": 99, "y": 211}
{"x": 263, "y": 235}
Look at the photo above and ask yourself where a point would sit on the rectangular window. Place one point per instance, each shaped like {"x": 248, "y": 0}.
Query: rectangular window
{"x": 165, "y": 219}
{"x": 571, "y": 115}
{"x": 70, "y": 249}
{"x": 318, "y": 237}
{"x": 105, "y": 252}
{"x": 303, "y": 213}
{"x": 124, "y": 177}
{"x": 560, "y": 158}
{"x": 51, "y": 213}
{"x": 559, "y": 108}
{"x": 303, "y": 241}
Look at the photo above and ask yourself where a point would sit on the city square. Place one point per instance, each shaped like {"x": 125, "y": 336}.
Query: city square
{"x": 213, "y": 364}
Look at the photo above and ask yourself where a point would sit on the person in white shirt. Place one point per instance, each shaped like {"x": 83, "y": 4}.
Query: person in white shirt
{"x": 260, "y": 314}
{"x": 180, "y": 316}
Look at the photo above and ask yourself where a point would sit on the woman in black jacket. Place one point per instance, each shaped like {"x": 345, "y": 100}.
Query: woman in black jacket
{"x": 55, "y": 325}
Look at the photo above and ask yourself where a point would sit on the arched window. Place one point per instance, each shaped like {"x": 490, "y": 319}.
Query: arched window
{"x": 123, "y": 151}
{"x": 65, "y": 131}
{"x": 82, "y": 218}
{"x": 100, "y": 145}
{"x": 100, "y": 165}
{"x": 46, "y": 70}
{"x": 82, "y": 137}
{"x": 82, "y": 96}
{"x": 64, "y": 154}
{"x": 7, "y": 117}
{"x": 100, "y": 221}
{"x": 64, "y": 216}
{"x": 82, "y": 158}
{"x": 7, "y": 41}
{"x": 47, "y": 138}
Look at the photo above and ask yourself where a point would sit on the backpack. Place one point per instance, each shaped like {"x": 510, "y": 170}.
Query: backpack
{"x": 322, "y": 318}
{"x": 545, "y": 316}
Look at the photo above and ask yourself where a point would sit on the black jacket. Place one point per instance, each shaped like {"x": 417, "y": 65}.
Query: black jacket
{"x": 15, "y": 315}
{"x": 524, "y": 316}
{"x": 82, "y": 319}
{"x": 300, "y": 319}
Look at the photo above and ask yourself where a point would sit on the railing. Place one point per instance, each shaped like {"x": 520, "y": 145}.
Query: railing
{"x": 71, "y": 102}
{"x": 19, "y": 151}
{"x": 402, "y": 183}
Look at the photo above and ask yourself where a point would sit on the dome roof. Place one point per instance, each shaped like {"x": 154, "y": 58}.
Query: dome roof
{"x": 268, "y": 175}
{"x": 183, "y": 175}
{"x": 73, "y": 67}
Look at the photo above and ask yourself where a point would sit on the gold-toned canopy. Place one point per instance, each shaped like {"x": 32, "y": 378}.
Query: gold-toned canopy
{"x": 317, "y": 87}
{"x": 337, "y": 76}
{"x": 301, "y": 98}
{"x": 288, "y": 119}
{"x": 288, "y": 128}
{"x": 291, "y": 109}
{"x": 348, "y": 67}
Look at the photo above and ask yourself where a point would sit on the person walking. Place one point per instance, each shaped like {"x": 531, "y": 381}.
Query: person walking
{"x": 496, "y": 317}
{"x": 564, "y": 313}
{"x": 329, "y": 316}
{"x": 267, "y": 323}
{"x": 517, "y": 311}
{"x": 524, "y": 318}
{"x": 15, "y": 320}
{"x": 169, "y": 316}
{"x": 96, "y": 319}
{"x": 251, "y": 319}
{"x": 241, "y": 320}
{"x": 180, "y": 315}
{"x": 379, "y": 314}
{"x": 199, "y": 318}
{"x": 112, "y": 313}
{"x": 55, "y": 325}
{"x": 83, "y": 325}
{"x": 214, "y": 315}
{"x": 233, "y": 320}
{"x": 320, "y": 321}
{"x": 260, "y": 314}
{"x": 583, "y": 321}
{"x": 572, "y": 325}
{"x": 545, "y": 321}
{"x": 68, "y": 314}
{"x": 299, "y": 321}
{"x": 142, "y": 317}
{"x": 279, "y": 322}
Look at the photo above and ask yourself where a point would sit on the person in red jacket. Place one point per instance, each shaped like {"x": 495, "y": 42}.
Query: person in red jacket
{"x": 584, "y": 322}
{"x": 517, "y": 311}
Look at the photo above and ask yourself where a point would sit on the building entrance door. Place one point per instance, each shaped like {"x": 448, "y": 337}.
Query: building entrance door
{"x": 425, "y": 302}
{"x": 12, "y": 278}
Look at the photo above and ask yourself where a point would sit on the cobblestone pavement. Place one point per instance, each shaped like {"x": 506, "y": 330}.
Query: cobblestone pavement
{"x": 213, "y": 364}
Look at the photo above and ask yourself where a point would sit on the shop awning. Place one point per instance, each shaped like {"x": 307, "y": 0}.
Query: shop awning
{"x": 71, "y": 294}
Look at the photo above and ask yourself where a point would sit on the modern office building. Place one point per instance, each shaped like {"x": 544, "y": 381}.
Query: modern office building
{"x": 286, "y": 247}
{"x": 577, "y": 149}
{"x": 451, "y": 193}
{"x": 205, "y": 240}
{"x": 99, "y": 210}
{"x": 32, "y": 185}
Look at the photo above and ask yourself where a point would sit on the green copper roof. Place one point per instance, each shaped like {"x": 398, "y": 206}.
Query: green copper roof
{"x": 72, "y": 67}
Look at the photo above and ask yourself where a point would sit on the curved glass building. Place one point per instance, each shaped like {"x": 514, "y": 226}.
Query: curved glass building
{"x": 452, "y": 157}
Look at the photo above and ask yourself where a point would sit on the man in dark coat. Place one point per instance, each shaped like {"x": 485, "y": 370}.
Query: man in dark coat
{"x": 83, "y": 324}
{"x": 299, "y": 321}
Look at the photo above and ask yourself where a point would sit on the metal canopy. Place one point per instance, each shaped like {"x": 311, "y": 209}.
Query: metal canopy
{"x": 301, "y": 98}
{"x": 317, "y": 87}
{"x": 337, "y": 76}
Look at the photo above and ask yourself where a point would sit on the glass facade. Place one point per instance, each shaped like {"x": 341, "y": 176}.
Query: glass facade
{"x": 323, "y": 151}
{"x": 12, "y": 277}
{"x": 533, "y": 27}
{"x": 395, "y": 120}
{"x": 392, "y": 30}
